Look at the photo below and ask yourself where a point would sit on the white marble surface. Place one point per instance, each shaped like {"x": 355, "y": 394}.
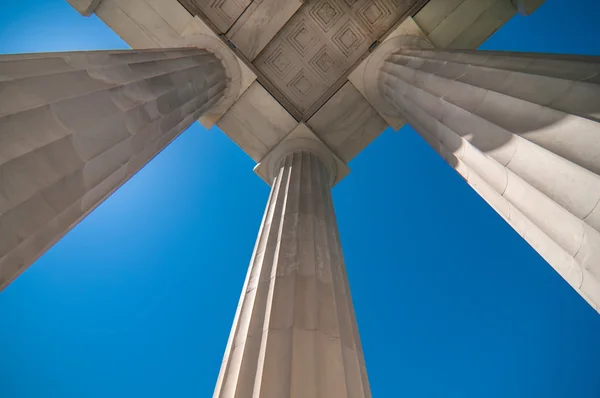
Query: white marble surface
{"x": 167, "y": 24}
{"x": 75, "y": 126}
{"x": 463, "y": 24}
{"x": 260, "y": 23}
{"x": 407, "y": 28}
{"x": 256, "y": 122}
{"x": 302, "y": 132}
{"x": 295, "y": 332}
{"x": 517, "y": 127}
{"x": 347, "y": 122}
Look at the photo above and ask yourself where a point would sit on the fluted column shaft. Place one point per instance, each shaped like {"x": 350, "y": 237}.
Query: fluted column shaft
{"x": 75, "y": 126}
{"x": 523, "y": 129}
{"x": 295, "y": 333}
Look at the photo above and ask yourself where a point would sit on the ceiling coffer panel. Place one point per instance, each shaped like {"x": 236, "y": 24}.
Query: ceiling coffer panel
{"x": 322, "y": 41}
{"x": 222, "y": 13}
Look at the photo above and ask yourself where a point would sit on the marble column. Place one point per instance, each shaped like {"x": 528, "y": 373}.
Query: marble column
{"x": 523, "y": 129}
{"x": 74, "y": 126}
{"x": 295, "y": 333}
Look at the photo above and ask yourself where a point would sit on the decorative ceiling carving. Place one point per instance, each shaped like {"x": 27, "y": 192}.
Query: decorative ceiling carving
{"x": 311, "y": 55}
{"x": 322, "y": 41}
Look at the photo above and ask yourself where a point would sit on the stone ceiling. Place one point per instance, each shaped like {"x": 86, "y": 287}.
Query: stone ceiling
{"x": 302, "y": 51}
{"x": 301, "y": 62}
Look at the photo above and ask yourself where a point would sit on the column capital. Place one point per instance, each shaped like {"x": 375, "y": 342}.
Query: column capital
{"x": 302, "y": 139}
{"x": 371, "y": 80}
{"x": 232, "y": 70}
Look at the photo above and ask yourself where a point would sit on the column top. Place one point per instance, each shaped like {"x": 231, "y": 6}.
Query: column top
{"x": 302, "y": 139}
{"x": 235, "y": 74}
{"x": 372, "y": 69}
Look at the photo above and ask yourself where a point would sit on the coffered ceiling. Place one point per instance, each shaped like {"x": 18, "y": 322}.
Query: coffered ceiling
{"x": 301, "y": 62}
{"x": 303, "y": 51}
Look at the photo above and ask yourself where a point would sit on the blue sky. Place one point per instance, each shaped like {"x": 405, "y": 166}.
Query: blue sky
{"x": 138, "y": 299}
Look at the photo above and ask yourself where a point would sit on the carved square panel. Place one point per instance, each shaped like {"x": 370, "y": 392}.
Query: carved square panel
{"x": 319, "y": 45}
{"x": 349, "y": 38}
{"x": 301, "y": 84}
{"x": 280, "y": 62}
{"x": 326, "y": 14}
{"x": 373, "y": 13}
{"x": 302, "y": 38}
{"x": 324, "y": 64}
{"x": 227, "y": 9}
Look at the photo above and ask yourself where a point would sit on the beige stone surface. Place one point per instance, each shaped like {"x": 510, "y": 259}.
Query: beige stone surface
{"x": 407, "y": 28}
{"x": 321, "y": 42}
{"x": 463, "y": 24}
{"x": 144, "y": 23}
{"x": 347, "y": 122}
{"x": 197, "y": 27}
{"x": 261, "y": 21}
{"x": 222, "y": 13}
{"x": 295, "y": 332}
{"x": 257, "y": 122}
{"x": 198, "y": 34}
{"x": 75, "y": 126}
{"x": 338, "y": 169}
{"x": 165, "y": 24}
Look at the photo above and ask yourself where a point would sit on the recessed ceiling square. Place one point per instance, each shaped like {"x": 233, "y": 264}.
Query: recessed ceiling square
{"x": 324, "y": 39}
{"x": 326, "y": 14}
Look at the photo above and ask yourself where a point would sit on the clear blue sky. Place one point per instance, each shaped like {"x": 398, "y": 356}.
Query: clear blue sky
{"x": 138, "y": 299}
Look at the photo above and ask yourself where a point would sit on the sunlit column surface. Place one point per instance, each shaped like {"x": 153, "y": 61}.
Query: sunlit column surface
{"x": 295, "y": 333}
{"x": 523, "y": 130}
{"x": 75, "y": 126}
